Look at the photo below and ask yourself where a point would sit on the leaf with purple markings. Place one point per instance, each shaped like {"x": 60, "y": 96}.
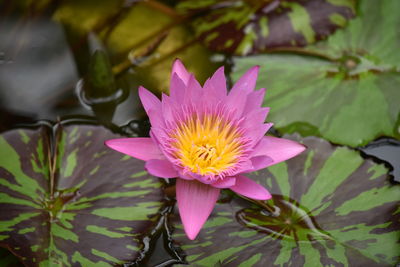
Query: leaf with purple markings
{"x": 331, "y": 208}
{"x": 68, "y": 200}
{"x": 244, "y": 27}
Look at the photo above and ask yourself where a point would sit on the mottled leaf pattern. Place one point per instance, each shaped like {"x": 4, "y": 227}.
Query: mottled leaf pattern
{"x": 247, "y": 27}
{"x": 334, "y": 208}
{"x": 140, "y": 36}
{"x": 350, "y": 97}
{"x": 86, "y": 205}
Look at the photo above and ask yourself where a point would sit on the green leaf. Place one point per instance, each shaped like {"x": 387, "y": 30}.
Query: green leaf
{"x": 85, "y": 16}
{"x": 350, "y": 95}
{"x": 68, "y": 200}
{"x": 246, "y": 27}
{"x": 332, "y": 208}
{"x": 140, "y": 38}
{"x": 152, "y": 51}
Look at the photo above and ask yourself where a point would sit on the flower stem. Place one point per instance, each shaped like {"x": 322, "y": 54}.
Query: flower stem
{"x": 170, "y": 191}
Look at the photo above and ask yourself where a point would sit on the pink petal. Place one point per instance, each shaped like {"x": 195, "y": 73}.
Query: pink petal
{"x": 278, "y": 149}
{"x": 195, "y": 203}
{"x": 258, "y": 133}
{"x": 226, "y": 182}
{"x": 140, "y": 148}
{"x": 237, "y": 97}
{"x": 149, "y": 101}
{"x": 247, "y": 82}
{"x": 254, "y": 100}
{"x": 177, "y": 89}
{"x": 236, "y": 101}
{"x": 255, "y": 118}
{"x": 185, "y": 176}
{"x": 188, "y": 175}
{"x": 261, "y": 162}
{"x": 210, "y": 95}
{"x": 194, "y": 92}
{"x": 218, "y": 81}
{"x": 161, "y": 168}
{"x": 244, "y": 166}
{"x": 181, "y": 71}
{"x": 166, "y": 105}
{"x": 248, "y": 188}
{"x": 156, "y": 118}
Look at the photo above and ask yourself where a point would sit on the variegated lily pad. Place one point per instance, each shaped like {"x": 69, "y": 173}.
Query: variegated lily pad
{"x": 67, "y": 200}
{"x": 350, "y": 93}
{"x": 246, "y": 27}
{"x": 333, "y": 208}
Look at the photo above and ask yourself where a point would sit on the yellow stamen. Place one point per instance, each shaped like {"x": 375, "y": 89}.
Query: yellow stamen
{"x": 207, "y": 145}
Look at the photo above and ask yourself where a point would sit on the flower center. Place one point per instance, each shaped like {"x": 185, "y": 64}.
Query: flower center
{"x": 207, "y": 145}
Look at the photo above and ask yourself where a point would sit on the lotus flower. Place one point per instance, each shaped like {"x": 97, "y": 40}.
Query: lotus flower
{"x": 207, "y": 139}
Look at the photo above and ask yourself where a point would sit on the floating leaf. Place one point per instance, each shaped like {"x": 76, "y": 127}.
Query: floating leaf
{"x": 87, "y": 15}
{"x": 247, "y": 27}
{"x": 152, "y": 51}
{"x": 350, "y": 97}
{"x": 147, "y": 46}
{"x": 332, "y": 208}
{"x": 180, "y": 43}
{"x": 68, "y": 200}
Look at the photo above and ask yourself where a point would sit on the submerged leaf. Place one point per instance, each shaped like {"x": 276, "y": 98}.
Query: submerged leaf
{"x": 247, "y": 27}
{"x": 332, "y": 207}
{"x": 68, "y": 200}
{"x": 146, "y": 46}
{"x": 350, "y": 96}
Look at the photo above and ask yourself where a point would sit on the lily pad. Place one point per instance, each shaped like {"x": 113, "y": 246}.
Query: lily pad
{"x": 349, "y": 93}
{"x": 68, "y": 200}
{"x": 87, "y": 15}
{"x": 247, "y": 27}
{"x": 145, "y": 46}
{"x": 150, "y": 52}
{"x": 332, "y": 208}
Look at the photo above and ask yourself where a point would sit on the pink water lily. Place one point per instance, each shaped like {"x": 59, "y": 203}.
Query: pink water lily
{"x": 207, "y": 139}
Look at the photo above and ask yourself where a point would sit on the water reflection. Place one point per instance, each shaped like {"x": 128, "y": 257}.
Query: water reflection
{"x": 38, "y": 70}
{"x": 386, "y": 149}
{"x": 293, "y": 222}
